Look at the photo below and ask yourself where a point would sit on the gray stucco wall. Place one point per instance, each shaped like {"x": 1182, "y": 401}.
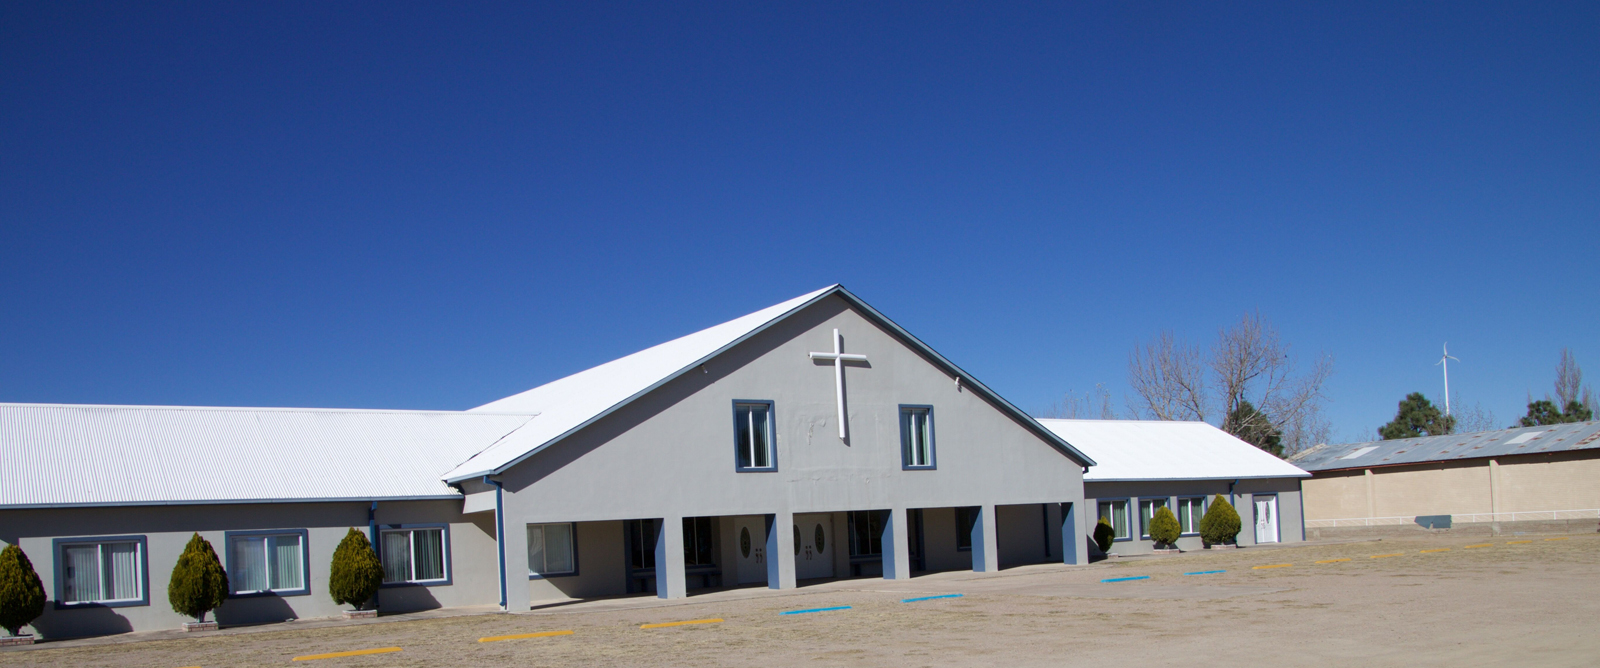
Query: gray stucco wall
{"x": 670, "y": 453}
{"x": 1291, "y": 527}
{"x": 167, "y": 529}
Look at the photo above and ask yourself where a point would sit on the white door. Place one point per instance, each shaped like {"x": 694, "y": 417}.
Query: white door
{"x": 751, "y": 536}
{"x": 1266, "y": 519}
{"x": 815, "y": 546}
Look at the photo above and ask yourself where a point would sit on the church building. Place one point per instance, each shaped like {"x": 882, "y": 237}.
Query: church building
{"x": 812, "y": 439}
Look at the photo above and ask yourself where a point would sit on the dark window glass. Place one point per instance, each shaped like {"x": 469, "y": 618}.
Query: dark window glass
{"x": 965, "y": 519}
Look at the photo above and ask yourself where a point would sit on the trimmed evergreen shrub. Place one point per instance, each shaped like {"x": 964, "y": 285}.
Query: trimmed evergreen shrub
{"x": 21, "y": 593}
{"x": 1164, "y": 528}
{"x": 1104, "y": 533}
{"x": 356, "y": 573}
{"x": 1220, "y": 525}
{"x": 199, "y": 584}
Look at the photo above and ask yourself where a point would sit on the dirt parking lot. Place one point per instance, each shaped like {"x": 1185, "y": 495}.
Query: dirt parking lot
{"x": 1439, "y": 600}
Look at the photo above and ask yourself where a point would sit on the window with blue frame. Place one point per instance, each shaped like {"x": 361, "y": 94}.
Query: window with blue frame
{"x": 101, "y": 571}
{"x": 916, "y": 437}
{"x": 262, "y": 562}
{"x": 415, "y": 555}
{"x": 1115, "y": 513}
{"x": 551, "y": 550}
{"x": 1190, "y": 510}
{"x": 752, "y": 431}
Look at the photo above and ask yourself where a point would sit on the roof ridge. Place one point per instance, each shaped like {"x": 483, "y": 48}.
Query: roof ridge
{"x": 263, "y": 409}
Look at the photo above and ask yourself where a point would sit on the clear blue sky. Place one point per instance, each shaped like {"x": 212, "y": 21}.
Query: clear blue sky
{"x": 429, "y": 206}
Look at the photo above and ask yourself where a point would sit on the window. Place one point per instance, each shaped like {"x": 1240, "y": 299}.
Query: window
{"x": 641, "y": 544}
{"x": 866, "y": 533}
{"x": 965, "y": 519}
{"x": 552, "y": 550}
{"x": 752, "y": 431}
{"x": 1190, "y": 510}
{"x": 698, "y": 535}
{"x": 261, "y": 562}
{"x": 916, "y": 437}
{"x": 1147, "y": 510}
{"x": 1116, "y": 513}
{"x": 415, "y": 554}
{"x": 101, "y": 571}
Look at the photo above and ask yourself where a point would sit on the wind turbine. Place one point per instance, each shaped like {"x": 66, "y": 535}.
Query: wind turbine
{"x": 1445, "y": 362}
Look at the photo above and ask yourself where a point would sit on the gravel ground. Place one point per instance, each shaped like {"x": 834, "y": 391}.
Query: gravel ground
{"x": 1531, "y": 603}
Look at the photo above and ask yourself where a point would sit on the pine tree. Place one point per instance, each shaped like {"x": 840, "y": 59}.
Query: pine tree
{"x": 1220, "y": 525}
{"x": 199, "y": 584}
{"x": 1164, "y": 528}
{"x": 1417, "y": 417}
{"x": 21, "y": 593}
{"x": 356, "y": 573}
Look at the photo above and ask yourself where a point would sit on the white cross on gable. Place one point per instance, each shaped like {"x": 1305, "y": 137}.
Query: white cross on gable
{"x": 838, "y": 357}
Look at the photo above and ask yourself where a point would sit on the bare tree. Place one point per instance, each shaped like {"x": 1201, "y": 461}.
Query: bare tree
{"x": 1248, "y": 363}
{"x": 1169, "y": 378}
{"x": 1569, "y": 383}
{"x": 1473, "y": 418}
{"x": 1073, "y": 406}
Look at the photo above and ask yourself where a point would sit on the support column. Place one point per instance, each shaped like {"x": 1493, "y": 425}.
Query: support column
{"x": 985, "y": 542}
{"x": 1073, "y": 550}
{"x": 1372, "y": 495}
{"x": 518, "y": 591}
{"x": 669, "y": 558}
{"x": 780, "y": 550}
{"x": 897, "y": 545}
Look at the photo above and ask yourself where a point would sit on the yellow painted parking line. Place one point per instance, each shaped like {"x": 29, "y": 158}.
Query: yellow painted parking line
{"x": 667, "y": 624}
{"x": 1257, "y": 568}
{"x": 1442, "y": 549}
{"x": 1381, "y": 556}
{"x": 1333, "y": 561}
{"x": 1468, "y": 547}
{"x": 1517, "y": 542}
{"x": 1557, "y": 538}
{"x": 335, "y": 655}
{"x": 520, "y": 636}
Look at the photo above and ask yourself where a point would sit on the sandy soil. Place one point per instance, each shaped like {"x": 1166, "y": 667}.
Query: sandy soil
{"x": 1529, "y": 603}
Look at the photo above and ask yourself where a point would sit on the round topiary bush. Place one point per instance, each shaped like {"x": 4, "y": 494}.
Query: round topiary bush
{"x": 1104, "y": 533}
{"x": 199, "y": 584}
{"x": 356, "y": 573}
{"x": 1220, "y": 525}
{"x": 21, "y": 593}
{"x": 1164, "y": 528}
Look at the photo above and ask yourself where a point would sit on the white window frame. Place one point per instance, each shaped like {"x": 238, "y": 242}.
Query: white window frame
{"x": 572, "y": 546}
{"x": 141, "y": 579}
{"x": 1127, "y": 521}
{"x": 411, "y": 544}
{"x": 750, "y": 448}
{"x": 1194, "y": 524}
{"x": 267, "y": 560}
{"x": 911, "y": 438}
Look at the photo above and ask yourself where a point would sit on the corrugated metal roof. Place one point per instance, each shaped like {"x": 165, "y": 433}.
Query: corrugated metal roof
{"x": 60, "y": 455}
{"x": 1518, "y": 441}
{"x": 571, "y": 403}
{"x": 1161, "y": 450}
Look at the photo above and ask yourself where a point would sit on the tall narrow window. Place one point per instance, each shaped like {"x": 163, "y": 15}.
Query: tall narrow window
{"x": 414, "y": 555}
{"x": 698, "y": 534}
{"x": 551, "y": 550}
{"x": 1190, "y": 510}
{"x": 916, "y": 437}
{"x": 1147, "y": 510}
{"x": 1116, "y": 513}
{"x": 866, "y": 532}
{"x": 105, "y": 571}
{"x": 752, "y": 429}
{"x": 641, "y": 543}
{"x": 262, "y": 562}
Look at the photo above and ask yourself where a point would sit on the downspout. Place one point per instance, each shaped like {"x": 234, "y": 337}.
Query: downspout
{"x": 499, "y": 534}
{"x": 372, "y": 526}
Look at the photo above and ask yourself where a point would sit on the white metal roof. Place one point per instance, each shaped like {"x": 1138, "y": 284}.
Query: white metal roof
{"x": 1159, "y": 450}
{"x": 570, "y": 403}
{"x": 65, "y": 455}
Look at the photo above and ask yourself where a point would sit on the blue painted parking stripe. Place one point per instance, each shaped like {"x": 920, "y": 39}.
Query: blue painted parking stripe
{"x": 1141, "y": 577}
{"x": 801, "y": 612}
{"x": 1205, "y": 572}
{"x": 930, "y": 598}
